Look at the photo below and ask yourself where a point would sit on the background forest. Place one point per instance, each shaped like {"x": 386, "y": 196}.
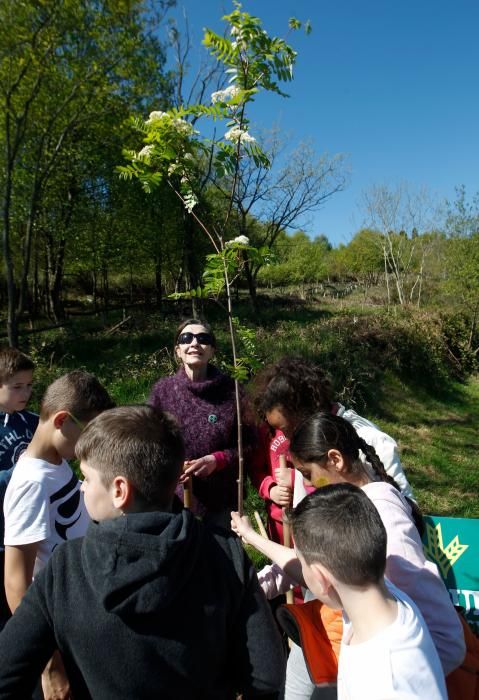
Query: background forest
{"x": 75, "y": 236}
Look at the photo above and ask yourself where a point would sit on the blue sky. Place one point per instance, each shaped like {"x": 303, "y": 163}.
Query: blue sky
{"x": 392, "y": 84}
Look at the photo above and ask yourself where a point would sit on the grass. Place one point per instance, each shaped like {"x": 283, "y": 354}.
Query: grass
{"x": 438, "y": 441}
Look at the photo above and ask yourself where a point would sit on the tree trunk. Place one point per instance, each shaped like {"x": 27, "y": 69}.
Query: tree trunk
{"x": 386, "y": 276}
{"x": 94, "y": 291}
{"x": 36, "y": 285}
{"x": 56, "y": 290}
{"x": 472, "y": 330}
{"x": 191, "y": 280}
{"x": 105, "y": 288}
{"x": 12, "y": 319}
{"x": 158, "y": 280}
{"x": 131, "y": 283}
{"x": 396, "y": 271}
{"x": 27, "y": 251}
{"x": 251, "y": 288}
{"x": 46, "y": 278}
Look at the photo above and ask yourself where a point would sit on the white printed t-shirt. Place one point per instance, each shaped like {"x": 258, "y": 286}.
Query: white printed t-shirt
{"x": 400, "y": 661}
{"x": 43, "y": 503}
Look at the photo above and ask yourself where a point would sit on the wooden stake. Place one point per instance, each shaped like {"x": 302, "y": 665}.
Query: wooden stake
{"x": 285, "y": 475}
{"x": 187, "y": 493}
{"x": 187, "y": 490}
{"x": 261, "y": 527}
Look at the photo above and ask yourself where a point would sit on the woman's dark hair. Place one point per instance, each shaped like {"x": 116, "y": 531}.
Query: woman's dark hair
{"x": 323, "y": 431}
{"x": 296, "y": 385}
{"x": 194, "y": 322}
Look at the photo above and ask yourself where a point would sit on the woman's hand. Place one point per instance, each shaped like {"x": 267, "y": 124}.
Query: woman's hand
{"x": 241, "y": 524}
{"x": 201, "y": 467}
{"x": 281, "y": 495}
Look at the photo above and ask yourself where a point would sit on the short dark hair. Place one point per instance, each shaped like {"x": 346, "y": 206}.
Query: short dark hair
{"x": 13, "y": 361}
{"x": 77, "y": 392}
{"x": 194, "y": 322}
{"x": 294, "y": 384}
{"x": 140, "y": 443}
{"x": 339, "y": 527}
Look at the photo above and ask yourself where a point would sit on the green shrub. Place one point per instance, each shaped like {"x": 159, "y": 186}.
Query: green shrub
{"x": 357, "y": 349}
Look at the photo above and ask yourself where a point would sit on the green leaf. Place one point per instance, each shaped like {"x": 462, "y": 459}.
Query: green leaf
{"x": 180, "y": 295}
{"x": 294, "y": 23}
{"x": 220, "y": 47}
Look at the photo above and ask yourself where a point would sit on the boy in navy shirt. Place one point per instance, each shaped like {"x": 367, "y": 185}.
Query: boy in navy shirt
{"x": 17, "y": 426}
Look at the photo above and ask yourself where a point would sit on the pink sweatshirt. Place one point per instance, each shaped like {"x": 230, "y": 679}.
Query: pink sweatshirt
{"x": 262, "y": 469}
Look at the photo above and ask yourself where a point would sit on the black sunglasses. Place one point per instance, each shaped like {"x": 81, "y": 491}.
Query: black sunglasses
{"x": 202, "y": 338}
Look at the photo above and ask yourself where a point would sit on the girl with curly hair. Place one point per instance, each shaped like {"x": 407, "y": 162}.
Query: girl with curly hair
{"x": 286, "y": 393}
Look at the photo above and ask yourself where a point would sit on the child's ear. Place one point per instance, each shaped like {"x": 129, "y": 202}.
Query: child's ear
{"x": 59, "y": 418}
{"x": 322, "y": 578}
{"x": 122, "y": 492}
{"x": 336, "y": 460}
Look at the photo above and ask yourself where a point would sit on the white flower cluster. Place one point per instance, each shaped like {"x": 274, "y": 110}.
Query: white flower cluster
{"x": 241, "y": 240}
{"x": 190, "y": 202}
{"x": 176, "y": 168}
{"x": 225, "y": 95}
{"x": 182, "y": 126}
{"x": 236, "y": 134}
{"x": 156, "y": 116}
{"x": 173, "y": 168}
{"x": 145, "y": 153}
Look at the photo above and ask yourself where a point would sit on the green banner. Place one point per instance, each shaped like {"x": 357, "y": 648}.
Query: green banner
{"x": 453, "y": 545}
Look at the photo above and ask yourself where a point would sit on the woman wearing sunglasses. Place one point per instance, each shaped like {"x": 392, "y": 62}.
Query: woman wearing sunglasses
{"x": 203, "y": 400}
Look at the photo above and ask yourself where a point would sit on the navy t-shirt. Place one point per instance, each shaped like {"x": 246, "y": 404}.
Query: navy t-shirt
{"x": 16, "y": 432}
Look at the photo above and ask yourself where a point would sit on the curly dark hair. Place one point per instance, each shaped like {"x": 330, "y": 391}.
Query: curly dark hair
{"x": 296, "y": 385}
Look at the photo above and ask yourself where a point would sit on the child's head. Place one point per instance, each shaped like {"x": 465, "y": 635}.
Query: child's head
{"x": 131, "y": 457}
{"x": 68, "y": 404}
{"x": 325, "y": 448}
{"x": 340, "y": 539}
{"x": 16, "y": 376}
{"x": 289, "y": 390}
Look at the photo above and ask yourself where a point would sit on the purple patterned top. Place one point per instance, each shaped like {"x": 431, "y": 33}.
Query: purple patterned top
{"x": 206, "y": 412}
